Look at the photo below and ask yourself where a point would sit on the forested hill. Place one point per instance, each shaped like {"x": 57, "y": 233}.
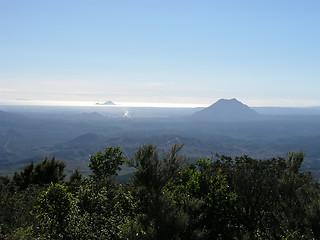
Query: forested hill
{"x": 165, "y": 198}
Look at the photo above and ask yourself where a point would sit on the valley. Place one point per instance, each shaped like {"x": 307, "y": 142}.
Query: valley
{"x": 71, "y": 134}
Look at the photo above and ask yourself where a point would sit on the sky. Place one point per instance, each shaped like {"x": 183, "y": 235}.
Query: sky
{"x": 262, "y": 52}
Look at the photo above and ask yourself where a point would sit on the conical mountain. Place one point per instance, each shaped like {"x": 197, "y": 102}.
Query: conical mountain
{"x": 227, "y": 110}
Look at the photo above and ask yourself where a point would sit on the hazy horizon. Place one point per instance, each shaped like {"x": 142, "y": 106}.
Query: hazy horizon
{"x": 26, "y": 102}
{"x": 160, "y": 53}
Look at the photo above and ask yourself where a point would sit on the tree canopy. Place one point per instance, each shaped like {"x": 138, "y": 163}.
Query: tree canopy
{"x": 167, "y": 197}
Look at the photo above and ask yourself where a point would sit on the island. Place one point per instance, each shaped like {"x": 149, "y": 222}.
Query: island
{"x": 110, "y": 103}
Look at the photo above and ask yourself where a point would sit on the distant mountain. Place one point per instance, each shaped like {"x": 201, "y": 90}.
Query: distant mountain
{"x": 226, "y": 110}
{"x": 110, "y": 103}
{"x": 92, "y": 116}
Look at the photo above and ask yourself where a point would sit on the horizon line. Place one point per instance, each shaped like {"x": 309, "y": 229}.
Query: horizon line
{"x": 72, "y": 103}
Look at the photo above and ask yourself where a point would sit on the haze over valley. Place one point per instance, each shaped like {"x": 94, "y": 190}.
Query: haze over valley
{"x": 71, "y": 134}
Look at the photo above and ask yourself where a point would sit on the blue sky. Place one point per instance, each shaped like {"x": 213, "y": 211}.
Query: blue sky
{"x": 262, "y": 52}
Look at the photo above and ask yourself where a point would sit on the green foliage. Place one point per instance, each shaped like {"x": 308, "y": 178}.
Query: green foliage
{"x": 296, "y": 192}
{"x": 75, "y": 181}
{"x": 272, "y": 195}
{"x": 152, "y": 172}
{"x": 15, "y": 208}
{"x": 259, "y": 180}
{"x": 4, "y": 180}
{"x": 42, "y": 173}
{"x": 156, "y": 213}
{"x": 26, "y": 233}
{"x": 148, "y": 164}
{"x": 107, "y": 164}
{"x": 52, "y": 209}
{"x": 203, "y": 193}
{"x": 218, "y": 198}
{"x": 313, "y": 211}
{"x": 101, "y": 211}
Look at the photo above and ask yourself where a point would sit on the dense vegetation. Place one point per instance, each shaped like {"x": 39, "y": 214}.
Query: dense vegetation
{"x": 166, "y": 198}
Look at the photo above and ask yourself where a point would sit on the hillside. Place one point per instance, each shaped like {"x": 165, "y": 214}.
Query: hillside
{"x": 72, "y": 134}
